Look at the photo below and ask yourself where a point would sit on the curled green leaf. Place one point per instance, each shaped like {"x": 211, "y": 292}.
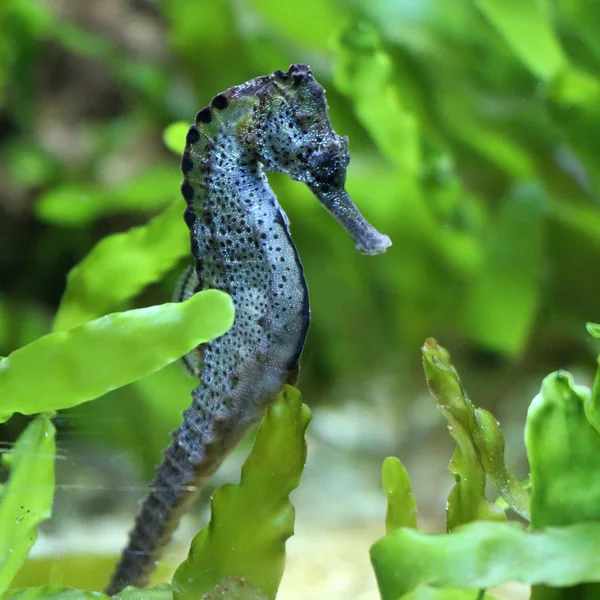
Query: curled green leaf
{"x": 485, "y": 554}
{"x": 480, "y": 451}
{"x": 489, "y": 440}
{"x": 564, "y": 454}
{"x": 401, "y": 507}
{"x": 467, "y": 501}
{"x": 26, "y": 498}
{"x": 251, "y": 520}
{"x": 120, "y": 266}
{"x": 67, "y": 368}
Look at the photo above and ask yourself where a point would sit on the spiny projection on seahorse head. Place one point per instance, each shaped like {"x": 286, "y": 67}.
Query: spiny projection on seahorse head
{"x": 241, "y": 244}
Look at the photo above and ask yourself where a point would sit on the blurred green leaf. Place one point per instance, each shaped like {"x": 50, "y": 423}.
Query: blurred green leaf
{"x": 26, "y": 498}
{"x": 120, "y": 266}
{"x": 365, "y": 73}
{"x": 73, "y": 205}
{"x": 594, "y": 330}
{"x": 527, "y": 30}
{"x": 485, "y": 554}
{"x": 401, "y": 507}
{"x": 52, "y": 592}
{"x": 503, "y": 300}
{"x": 425, "y": 592}
{"x": 572, "y": 98}
{"x": 480, "y": 450}
{"x": 251, "y": 520}
{"x": 174, "y": 136}
{"x": 83, "y": 363}
{"x": 564, "y": 455}
{"x": 467, "y": 500}
{"x": 29, "y": 165}
{"x": 309, "y": 27}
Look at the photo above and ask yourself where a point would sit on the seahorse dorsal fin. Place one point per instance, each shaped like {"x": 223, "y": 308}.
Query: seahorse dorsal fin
{"x": 184, "y": 289}
{"x": 186, "y": 285}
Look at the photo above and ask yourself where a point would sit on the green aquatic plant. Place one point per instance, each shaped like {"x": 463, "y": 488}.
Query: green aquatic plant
{"x": 555, "y": 553}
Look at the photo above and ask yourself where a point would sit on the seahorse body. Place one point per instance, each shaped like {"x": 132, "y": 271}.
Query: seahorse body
{"x": 241, "y": 244}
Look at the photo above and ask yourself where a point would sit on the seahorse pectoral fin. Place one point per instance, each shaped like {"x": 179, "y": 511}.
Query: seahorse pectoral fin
{"x": 337, "y": 201}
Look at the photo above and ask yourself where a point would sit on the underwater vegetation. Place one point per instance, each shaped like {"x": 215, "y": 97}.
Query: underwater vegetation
{"x": 473, "y": 129}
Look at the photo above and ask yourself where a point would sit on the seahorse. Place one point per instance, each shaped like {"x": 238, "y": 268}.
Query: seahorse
{"x": 241, "y": 244}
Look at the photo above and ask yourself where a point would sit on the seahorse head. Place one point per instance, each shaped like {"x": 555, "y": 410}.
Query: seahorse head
{"x": 295, "y": 136}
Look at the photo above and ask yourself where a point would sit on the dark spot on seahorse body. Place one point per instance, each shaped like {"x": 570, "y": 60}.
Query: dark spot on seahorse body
{"x": 187, "y": 191}
{"x": 204, "y": 116}
{"x": 193, "y": 135}
{"x": 279, "y": 219}
{"x": 189, "y": 216}
{"x": 187, "y": 164}
{"x": 219, "y": 102}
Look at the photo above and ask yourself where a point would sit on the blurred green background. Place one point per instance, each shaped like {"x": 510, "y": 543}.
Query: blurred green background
{"x": 474, "y": 133}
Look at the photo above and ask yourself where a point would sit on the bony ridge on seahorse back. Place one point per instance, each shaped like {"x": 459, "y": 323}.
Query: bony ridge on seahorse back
{"x": 241, "y": 244}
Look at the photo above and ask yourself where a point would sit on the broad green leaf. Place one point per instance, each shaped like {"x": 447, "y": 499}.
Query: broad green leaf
{"x": 26, "y": 498}
{"x": 83, "y": 363}
{"x": 365, "y": 73}
{"x": 467, "y": 500}
{"x": 401, "y": 507}
{"x": 564, "y": 455}
{"x": 120, "y": 266}
{"x": 52, "y": 592}
{"x": 76, "y": 205}
{"x": 527, "y": 30}
{"x": 251, "y": 520}
{"x": 485, "y": 554}
{"x": 174, "y": 136}
{"x": 502, "y": 303}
